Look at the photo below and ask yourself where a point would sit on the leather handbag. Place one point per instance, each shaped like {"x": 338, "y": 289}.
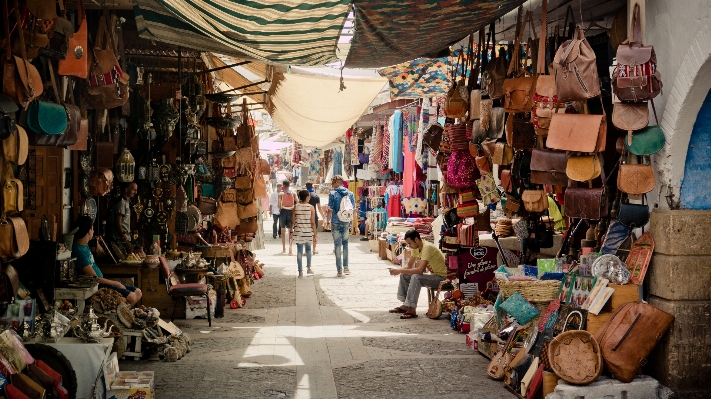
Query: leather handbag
{"x": 207, "y": 205}
{"x": 646, "y": 142}
{"x": 578, "y": 133}
{"x": 497, "y": 123}
{"x": 247, "y": 211}
{"x": 506, "y": 181}
{"x": 226, "y": 215}
{"x": 535, "y": 200}
{"x": 503, "y": 154}
{"x": 244, "y": 196}
{"x": 247, "y": 226}
{"x": 263, "y": 167}
{"x": 629, "y": 336}
{"x": 636, "y": 78}
{"x": 432, "y": 137}
{"x": 633, "y": 215}
{"x": 75, "y": 62}
{"x": 495, "y": 71}
{"x": 636, "y": 179}
{"x": 108, "y": 84}
{"x": 21, "y": 80}
{"x": 14, "y": 240}
{"x": 12, "y": 193}
{"x": 478, "y": 134}
{"x": 482, "y": 163}
{"x": 15, "y": 146}
{"x": 260, "y": 187}
{"x": 520, "y": 133}
{"x": 58, "y": 41}
{"x": 549, "y": 167}
{"x": 587, "y": 203}
{"x": 101, "y": 182}
{"x": 629, "y": 117}
{"x": 74, "y": 120}
{"x": 522, "y": 166}
{"x": 518, "y": 93}
{"x": 48, "y": 118}
{"x": 583, "y": 168}
{"x": 575, "y": 69}
{"x": 8, "y": 109}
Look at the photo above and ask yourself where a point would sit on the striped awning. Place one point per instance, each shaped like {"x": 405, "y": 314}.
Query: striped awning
{"x": 389, "y": 32}
{"x": 298, "y": 32}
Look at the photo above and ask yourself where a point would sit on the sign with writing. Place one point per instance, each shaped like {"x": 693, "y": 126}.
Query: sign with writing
{"x": 478, "y": 265}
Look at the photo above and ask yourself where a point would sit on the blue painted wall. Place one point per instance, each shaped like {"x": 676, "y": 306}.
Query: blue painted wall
{"x": 696, "y": 187}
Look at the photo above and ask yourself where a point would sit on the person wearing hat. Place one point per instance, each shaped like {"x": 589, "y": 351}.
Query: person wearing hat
{"x": 85, "y": 263}
{"x": 274, "y": 211}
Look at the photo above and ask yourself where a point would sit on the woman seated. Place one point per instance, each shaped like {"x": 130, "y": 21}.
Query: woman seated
{"x": 85, "y": 261}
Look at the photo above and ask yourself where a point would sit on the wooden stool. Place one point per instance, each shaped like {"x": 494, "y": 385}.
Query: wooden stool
{"x": 80, "y": 295}
{"x": 448, "y": 287}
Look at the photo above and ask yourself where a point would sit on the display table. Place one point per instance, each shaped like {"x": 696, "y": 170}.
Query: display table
{"x": 512, "y": 244}
{"x": 123, "y": 270}
{"x": 78, "y": 294}
{"x": 87, "y": 361}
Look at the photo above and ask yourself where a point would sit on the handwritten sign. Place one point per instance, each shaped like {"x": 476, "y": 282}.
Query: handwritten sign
{"x": 478, "y": 265}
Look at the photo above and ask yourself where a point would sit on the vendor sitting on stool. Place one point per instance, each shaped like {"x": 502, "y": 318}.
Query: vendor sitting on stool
{"x": 85, "y": 261}
{"x": 412, "y": 277}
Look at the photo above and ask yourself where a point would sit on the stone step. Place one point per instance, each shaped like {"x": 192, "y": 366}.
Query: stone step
{"x": 642, "y": 387}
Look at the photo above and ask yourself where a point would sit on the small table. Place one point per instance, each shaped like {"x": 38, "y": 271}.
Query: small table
{"x": 190, "y": 275}
{"x": 78, "y": 294}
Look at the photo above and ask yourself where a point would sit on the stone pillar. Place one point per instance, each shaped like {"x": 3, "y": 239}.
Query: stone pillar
{"x": 680, "y": 284}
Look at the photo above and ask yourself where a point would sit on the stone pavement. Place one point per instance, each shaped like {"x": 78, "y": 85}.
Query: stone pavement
{"x": 323, "y": 337}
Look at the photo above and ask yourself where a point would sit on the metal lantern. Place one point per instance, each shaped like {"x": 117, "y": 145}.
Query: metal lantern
{"x": 126, "y": 167}
{"x": 153, "y": 171}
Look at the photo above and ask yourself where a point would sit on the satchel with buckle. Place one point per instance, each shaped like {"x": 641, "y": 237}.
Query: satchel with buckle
{"x": 636, "y": 179}
{"x": 535, "y": 200}
{"x": 587, "y": 203}
{"x": 575, "y": 69}
{"x": 636, "y": 77}
{"x": 520, "y": 132}
{"x": 75, "y": 62}
{"x": 518, "y": 91}
{"x": 583, "y": 168}
{"x": 578, "y": 133}
{"x": 21, "y": 80}
{"x": 549, "y": 167}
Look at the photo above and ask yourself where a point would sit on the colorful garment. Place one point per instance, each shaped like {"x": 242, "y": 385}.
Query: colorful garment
{"x": 354, "y": 150}
{"x": 414, "y": 207}
{"x": 396, "y": 161}
{"x": 377, "y": 153}
{"x": 337, "y": 162}
{"x": 384, "y": 164}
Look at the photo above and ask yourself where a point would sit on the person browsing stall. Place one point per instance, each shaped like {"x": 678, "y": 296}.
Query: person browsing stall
{"x": 287, "y": 201}
{"x": 274, "y": 211}
{"x": 425, "y": 257}
{"x": 85, "y": 263}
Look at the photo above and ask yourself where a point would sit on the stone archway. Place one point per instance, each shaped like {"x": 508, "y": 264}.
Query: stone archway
{"x": 686, "y": 96}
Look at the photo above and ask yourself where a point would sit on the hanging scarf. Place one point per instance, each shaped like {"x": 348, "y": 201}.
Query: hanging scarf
{"x": 420, "y": 156}
{"x": 386, "y": 148}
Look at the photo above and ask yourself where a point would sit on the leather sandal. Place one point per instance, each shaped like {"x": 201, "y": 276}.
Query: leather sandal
{"x": 408, "y": 315}
{"x": 397, "y": 310}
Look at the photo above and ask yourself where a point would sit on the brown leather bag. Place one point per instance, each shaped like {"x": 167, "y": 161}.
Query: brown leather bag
{"x": 587, "y": 203}
{"x": 247, "y": 211}
{"x": 12, "y": 193}
{"x": 630, "y": 117}
{"x": 482, "y": 163}
{"x": 636, "y": 179}
{"x": 108, "y": 82}
{"x": 71, "y": 135}
{"x": 101, "y": 182}
{"x": 632, "y": 79}
{"x": 549, "y": 167}
{"x": 578, "y": 133}
{"x": 226, "y": 215}
{"x": 503, "y": 154}
{"x": 21, "y": 80}
{"x": 207, "y": 205}
{"x": 263, "y": 167}
{"x": 520, "y": 133}
{"x": 505, "y": 178}
{"x": 75, "y": 62}
{"x": 575, "y": 69}
{"x": 629, "y": 336}
{"x": 432, "y": 137}
{"x": 535, "y": 200}
{"x": 495, "y": 71}
{"x": 15, "y": 146}
{"x": 14, "y": 240}
{"x": 583, "y": 168}
{"x": 260, "y": 187}
{"x": 247, "y": 226}
{"x": 82, "y": 136}
{"x": 519, "y": 89}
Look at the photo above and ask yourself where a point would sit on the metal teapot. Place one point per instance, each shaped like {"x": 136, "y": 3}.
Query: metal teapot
{"x": 89, "y": 329}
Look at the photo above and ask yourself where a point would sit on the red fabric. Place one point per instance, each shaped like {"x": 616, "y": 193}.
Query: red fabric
{"x": 394, "y": 206}
{"x": 187, "y": 289}
{"x": 408, "y": 175}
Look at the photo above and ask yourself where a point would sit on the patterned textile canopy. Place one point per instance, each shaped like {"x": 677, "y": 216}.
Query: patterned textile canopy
{"x": 299, "y": 32}
{"x": 422, "y": 77}
{"x": 390, "y": 32}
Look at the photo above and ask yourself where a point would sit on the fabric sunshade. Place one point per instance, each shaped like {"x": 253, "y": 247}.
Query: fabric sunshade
{"x": 234, "y": 78}
{"x": 389, "y": 32}
{"x": 423, "y": 77}
{"x": 313, "y": 111}
{"x": 299, "y": 32}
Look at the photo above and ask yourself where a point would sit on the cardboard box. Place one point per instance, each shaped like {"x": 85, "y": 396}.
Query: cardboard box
{"x": 127, "y": 384}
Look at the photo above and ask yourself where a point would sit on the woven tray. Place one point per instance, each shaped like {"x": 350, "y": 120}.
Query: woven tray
{"x": 532, "y": 291}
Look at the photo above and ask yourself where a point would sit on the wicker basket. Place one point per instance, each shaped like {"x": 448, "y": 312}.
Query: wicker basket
{"x": 532, "y": 291}
{"x": 575, "y": 357}
{"x": 215, "y": 252}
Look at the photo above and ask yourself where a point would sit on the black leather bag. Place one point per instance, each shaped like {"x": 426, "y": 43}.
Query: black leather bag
{"x": 634, "y": 215}
{"x": 8, "y": 108}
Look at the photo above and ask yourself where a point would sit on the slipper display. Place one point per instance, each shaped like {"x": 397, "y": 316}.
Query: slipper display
{"x": 397, "y": 310}
{"x": 407, "y": 315}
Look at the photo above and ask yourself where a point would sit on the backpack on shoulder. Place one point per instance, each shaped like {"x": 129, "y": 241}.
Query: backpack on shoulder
{"x": 345, "y": 211}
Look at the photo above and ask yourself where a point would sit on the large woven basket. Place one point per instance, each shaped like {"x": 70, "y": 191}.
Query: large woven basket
{"x": 575, "y": 357}
{"x": 215, "y": 252}
{"x": 532, "y": 291}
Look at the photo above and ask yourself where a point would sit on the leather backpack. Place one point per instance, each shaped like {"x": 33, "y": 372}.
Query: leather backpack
{"x": 495, "y": 71}
{"x": 21, "y": 80}
{"x": 636, "y": 78}
{"x": 519, "y": 89}
{"x": 575, "y": 69}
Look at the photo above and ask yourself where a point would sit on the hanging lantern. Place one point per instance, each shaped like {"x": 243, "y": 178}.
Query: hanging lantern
{"x": 153, "y": 171}
{"x": 126, "y": 167}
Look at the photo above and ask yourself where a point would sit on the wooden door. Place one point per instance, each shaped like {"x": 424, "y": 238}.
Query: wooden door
{"x": 43, "y": 190}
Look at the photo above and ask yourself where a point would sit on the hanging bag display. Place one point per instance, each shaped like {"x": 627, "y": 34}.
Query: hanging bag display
{"x": 578, "y": 133}
{"x": 21, "y": 80}
{"x": 549, "y": 167}
{"x": 518, "y": 89}
{"x": 636, "y": 179}
{"x": 587, "y": 203}
{"x": 636, "y": 78}
{"x": 75, "y": 62}
{"x": 495, "y": 71}
{"x": 108, "y": 84}
{"x": 584, "y": 168}
{"x": 575, "y": 69}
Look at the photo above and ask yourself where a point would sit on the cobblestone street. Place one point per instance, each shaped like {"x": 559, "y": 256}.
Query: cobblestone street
{"x": 323, "y": 337}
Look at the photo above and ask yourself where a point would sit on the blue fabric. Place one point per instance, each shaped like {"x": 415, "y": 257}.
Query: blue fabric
{"x": 519, "y": 308}
{"x": 340, "y": 232}
{"x": 334, "y": 202}
{"x": 84, "y": 259}
{"x": 300, "y": 253}
{"x": 337, "y": 163}
{"x": 397, "y": 143}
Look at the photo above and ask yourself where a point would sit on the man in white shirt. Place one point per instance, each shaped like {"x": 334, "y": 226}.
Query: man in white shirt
{"x": 274, "y": 211}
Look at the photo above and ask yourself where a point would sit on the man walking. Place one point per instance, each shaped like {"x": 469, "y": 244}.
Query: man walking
{"x": 425, "y": 257}
{"x": 287, "y": 201}
{"x": 274, "y": 210}
{"x": 341, "y": 205}
{"x": 314, "y": 201}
